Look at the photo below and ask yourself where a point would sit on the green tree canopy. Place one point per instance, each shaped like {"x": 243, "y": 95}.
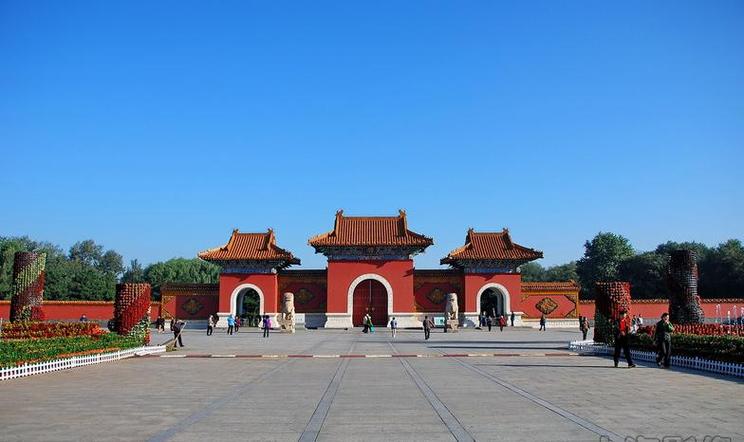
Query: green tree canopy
{"x": 134, "y": 273}
{"x": 181, "y": 270}
{"x": 534, "y": 272}
{"x": 646, "y": 273}
{"x": 601, "y": 262}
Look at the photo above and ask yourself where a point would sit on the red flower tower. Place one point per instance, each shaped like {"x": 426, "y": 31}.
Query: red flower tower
{"x": 132, "y": 309}
{"x": 612, "y": 298}
{"x": 28, "y": 286}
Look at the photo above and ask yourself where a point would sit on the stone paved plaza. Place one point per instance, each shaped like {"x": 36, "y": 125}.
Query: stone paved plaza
{"x": 536, "y": 390}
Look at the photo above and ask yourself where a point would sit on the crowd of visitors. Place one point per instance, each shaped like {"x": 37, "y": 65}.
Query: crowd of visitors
{"x": 623, "y": 328}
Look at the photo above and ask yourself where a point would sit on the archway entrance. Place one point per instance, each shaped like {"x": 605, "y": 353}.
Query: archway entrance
{"x": 492, "y": 303}
{"x": 248, "y": 307}
{"x": 370, "y": 296}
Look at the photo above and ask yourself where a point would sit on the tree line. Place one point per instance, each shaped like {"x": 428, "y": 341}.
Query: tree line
{"x": 611, "y": 257}
{"x": 87, "y": 271}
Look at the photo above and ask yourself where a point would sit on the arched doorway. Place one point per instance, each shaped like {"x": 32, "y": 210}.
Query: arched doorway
{"x": 248, "y": 306}
{"x": 370, "y": 296}
{"x": 492, "y": 303}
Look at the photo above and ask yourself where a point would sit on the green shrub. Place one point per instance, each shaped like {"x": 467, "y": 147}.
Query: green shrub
{"x": 37, "y": 350}
{"x": 720, "y": 348}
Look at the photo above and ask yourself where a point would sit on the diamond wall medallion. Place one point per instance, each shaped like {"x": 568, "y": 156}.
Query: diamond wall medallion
{"x": 546, "y": 305}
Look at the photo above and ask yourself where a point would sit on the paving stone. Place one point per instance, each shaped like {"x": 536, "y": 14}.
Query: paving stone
{"x": 376, "y": 399}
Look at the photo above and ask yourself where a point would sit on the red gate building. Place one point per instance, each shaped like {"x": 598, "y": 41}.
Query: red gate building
{"x": 371, "y": 271}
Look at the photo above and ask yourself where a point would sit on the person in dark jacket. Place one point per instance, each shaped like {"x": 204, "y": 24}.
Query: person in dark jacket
{"x": 663, "y": 334}
{"x": 266, "y": 326}
{"x": 513, "y": 316}
{"x": 428, "y": 324}
{"x": 489, "y": 322}
{"x": 543, "y": 322}
{"x": 177, "y": 329}
{"x": 584, "y": 326}
{"x": 622, "y": 330}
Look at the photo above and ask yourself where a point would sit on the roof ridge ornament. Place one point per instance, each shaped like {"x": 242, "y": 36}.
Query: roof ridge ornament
{"x": 403, "y": 222}
{"x": 270, "y": 239}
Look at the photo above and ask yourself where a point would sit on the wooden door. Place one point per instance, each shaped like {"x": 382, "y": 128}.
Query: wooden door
{"x": 370, "y": 297}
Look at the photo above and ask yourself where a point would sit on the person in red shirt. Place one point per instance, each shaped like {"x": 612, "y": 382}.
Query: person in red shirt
{"x": 621, "y": 339}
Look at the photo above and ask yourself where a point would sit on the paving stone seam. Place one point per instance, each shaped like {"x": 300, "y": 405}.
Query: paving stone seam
{"x": 215, "y": 405}
{"x": 448, "y": 418}
{"x": 578, "y": 420}
{"x": 315, "y": 424}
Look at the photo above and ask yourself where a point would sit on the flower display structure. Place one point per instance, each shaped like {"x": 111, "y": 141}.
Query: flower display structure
{"x": 28, "y": 286}
{"x": 132, "y": 310}
{"x": 682, "y": 279}
{"x": 45, "y": 330}
{"x": 612, "y": 298}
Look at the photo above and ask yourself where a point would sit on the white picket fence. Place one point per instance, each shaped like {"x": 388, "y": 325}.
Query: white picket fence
{"x": 695, "y": 363}
{"x": 75, "y": 361}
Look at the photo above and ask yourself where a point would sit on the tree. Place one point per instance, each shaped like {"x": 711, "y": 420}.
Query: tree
{"x": 602, "y": 258}
{"x": 181, "y": 270}
{"x": 532, "y": 272}
{"x": 111, "y": 263}
{"x": 86, "y": 252}
{"x": 646, "y": 273}
{"x": 134, "y": 273}
{"x": 563, "y": 272}
{"x": 722, "y": 271}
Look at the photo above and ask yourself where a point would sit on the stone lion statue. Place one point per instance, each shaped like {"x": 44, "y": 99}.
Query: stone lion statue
{"x": 288, "y": 312}
{"x": 451, "y": 309}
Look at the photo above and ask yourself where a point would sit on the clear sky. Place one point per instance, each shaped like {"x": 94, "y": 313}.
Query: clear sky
{"x": 156, "y": 128}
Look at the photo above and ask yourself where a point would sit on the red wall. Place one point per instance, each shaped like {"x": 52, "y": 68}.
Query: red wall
{"x": 398, "y": 273}
{"x": 565, "y": 306}
{"x": 266, "y": 282}
{"x": 430, "y": 286}
{"x": 656, "y": 308}
{"x": 191, "y": 306}
{"x": 72, "y": 310}
{"x": 310, "y": 292}
{"x": 474, "y": 282}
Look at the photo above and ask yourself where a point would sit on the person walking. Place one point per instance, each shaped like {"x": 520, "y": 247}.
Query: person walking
{"x": 663, "y": 335}
{"x": 543, "y": 322}
{"x": 177, "y": 329}
{"x": 584, "y": 326}
{"x": 502, "y": 322}
{"x": 394, "y": 326}
{"x": 513, "y": 316}
{"x": 266, "y": 326}
{"x": 160, "y": 324}
{"x": 230, "y": 324}
{"x": 482, "y": 319}
{"x": 238, "y": 323}
{"x": 639, "y": 319}
{"x": 365, "y": 323}
{"x": 428, "y": 324}
{"x": 489, "y": 322}
{"x": 622, "y": 330}
{"x": 210, "y": 325}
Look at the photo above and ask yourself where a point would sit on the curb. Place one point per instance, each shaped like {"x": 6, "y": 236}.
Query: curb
{"x": 367, "y": 356}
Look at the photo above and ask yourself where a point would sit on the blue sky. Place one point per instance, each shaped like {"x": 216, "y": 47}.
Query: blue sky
{"x": 157, "y": 127}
